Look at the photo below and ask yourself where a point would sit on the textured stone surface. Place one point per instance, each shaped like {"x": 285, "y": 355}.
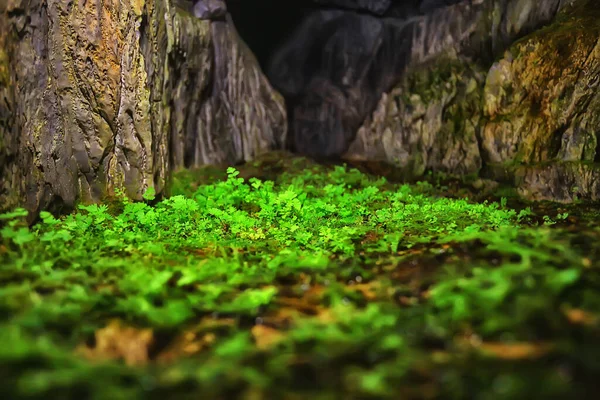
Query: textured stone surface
{"x": 433, "y": 116}
{"x": 542, "y": 99}
{"x": 103, "y": 95}
{"x": 223, "y": 108}
{"x": 428, "y": 122}
{"x": 532, "y": 118}
{"x": 562, "y": 182}
{"x": 338, "y": 63}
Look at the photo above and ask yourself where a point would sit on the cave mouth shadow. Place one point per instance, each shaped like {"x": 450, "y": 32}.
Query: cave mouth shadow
{"x": 265, "y": 25}
{"x": 310, "y": 52}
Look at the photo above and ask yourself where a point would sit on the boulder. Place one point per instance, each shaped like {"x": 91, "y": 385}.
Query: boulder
{"x": 542, "y": 109}
{"x": 531, "y": 119}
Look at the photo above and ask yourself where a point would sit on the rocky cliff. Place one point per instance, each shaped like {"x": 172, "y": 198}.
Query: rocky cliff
{"x": 335, "y": 67}
{"x": 531, "y": 118}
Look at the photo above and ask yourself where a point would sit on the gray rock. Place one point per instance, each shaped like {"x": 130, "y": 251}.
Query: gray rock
{"x": 531, "y": 118}
{"x": 210, "y": 9}
{"x": 336, "y": 66}
{"x": 115, "y": 96}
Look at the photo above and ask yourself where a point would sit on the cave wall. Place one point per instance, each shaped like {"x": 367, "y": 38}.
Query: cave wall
{"x": 542, "y": 110}
{"x": 100, "y": 96}
{"x": 530, "y": 119}
{"x": 339, "y": 61}
{"x": 432, "y": 116}
{"x": 430, "y": 121}
{"x": 506, "y": 88}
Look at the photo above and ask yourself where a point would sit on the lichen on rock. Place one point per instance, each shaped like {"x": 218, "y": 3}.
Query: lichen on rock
{"x": 538, "y": 103}
{"x": 537, "y": 96}
{"x": 428, "y": 122}
{"x": 338, "y": 62}
{"x": 542, "y": 106}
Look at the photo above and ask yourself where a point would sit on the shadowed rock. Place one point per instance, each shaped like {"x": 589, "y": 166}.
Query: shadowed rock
{"x": 210, "y": 9}
{"x": 335, "y": 67}
{"x": 378, "y": 7}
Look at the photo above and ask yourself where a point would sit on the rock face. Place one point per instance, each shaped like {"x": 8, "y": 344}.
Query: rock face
{"x": 542, "y": 100}
{"x": 508, "y": 88}
{"x": 542, "y": 109}
{"x": 101, "y": 96}
{"x": 532, "y": 118}
{"x": 335, "y": 67}
{"x": 104, "y": 95}
{"x": 430, "y": 121}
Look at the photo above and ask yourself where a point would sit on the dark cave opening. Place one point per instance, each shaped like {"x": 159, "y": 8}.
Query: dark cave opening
{"x": 321, "y": 55}
{"x": 265, "y": 25}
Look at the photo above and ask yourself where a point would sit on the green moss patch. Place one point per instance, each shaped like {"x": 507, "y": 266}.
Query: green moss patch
{"x": 310, "y": 282}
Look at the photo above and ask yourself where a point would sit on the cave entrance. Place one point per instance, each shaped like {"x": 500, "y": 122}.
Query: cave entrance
{"x": 320, "y": 59}
{"x": 330, "y": 59}
{"x": 265, "y": 25}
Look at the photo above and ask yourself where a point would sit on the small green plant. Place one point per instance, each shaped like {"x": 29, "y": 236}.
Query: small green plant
{"x": 250, "y": 284}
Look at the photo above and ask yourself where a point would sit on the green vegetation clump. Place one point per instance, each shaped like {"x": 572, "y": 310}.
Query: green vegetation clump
{"x": 324, "y": 283}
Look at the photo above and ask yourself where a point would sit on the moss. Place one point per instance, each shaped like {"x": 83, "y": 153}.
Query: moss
{"x": 431, "y": 83}
{"x": 292, "y": 277}
{"x": 4, "y": 68}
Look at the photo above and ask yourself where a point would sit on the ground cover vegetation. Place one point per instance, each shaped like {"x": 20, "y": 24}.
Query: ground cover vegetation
{"x": 289, "y": 279}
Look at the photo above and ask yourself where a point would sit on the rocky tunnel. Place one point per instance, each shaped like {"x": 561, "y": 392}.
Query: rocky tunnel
{"x": 408, "y": 82}
{"x": 456, "y": 86}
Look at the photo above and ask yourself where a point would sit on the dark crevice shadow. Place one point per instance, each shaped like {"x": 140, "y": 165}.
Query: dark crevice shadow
{"x": 266, "y": 24}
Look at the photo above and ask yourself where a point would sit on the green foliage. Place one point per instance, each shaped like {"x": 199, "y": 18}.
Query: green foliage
{"x": 508, "y": 297}
{"x": 239, "y": 248}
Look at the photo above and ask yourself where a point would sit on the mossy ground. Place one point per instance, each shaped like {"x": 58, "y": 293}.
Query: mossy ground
{"x": 288, "y": 279}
